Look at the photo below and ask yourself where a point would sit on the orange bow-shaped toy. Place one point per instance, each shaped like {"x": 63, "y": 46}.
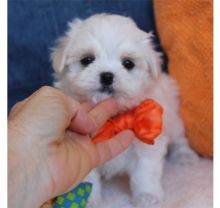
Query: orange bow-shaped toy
{"x": 145, "y": 121}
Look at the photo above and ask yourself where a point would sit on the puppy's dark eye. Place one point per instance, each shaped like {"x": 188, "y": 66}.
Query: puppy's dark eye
{"x": 87, "y": 60}
{"x": 128, "y": 64}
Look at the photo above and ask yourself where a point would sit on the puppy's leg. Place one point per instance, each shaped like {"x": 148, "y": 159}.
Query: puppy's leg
{"x": 179, "y": 150}
{"x": 145, "y": 178}
{"x": 95, "y": 196}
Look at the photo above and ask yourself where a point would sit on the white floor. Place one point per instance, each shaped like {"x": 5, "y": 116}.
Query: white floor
{"x": 188, "y": 186}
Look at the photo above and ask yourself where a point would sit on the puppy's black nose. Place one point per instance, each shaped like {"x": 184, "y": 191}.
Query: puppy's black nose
{"x": 106, "y": 78}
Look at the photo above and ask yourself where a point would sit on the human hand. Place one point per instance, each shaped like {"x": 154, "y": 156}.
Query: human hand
{"x": 49, "y": 147}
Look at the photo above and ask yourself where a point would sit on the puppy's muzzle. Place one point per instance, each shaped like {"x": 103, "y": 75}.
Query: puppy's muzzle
{"x": 106, "y": 80}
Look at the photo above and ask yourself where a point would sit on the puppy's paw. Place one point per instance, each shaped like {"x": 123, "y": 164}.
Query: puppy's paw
{"x": 183, "y": 155}
{"x": 147, "y": 200}
{"x": 188, "y": 159}
{"x": 95, "y": 202}
{"x": 151, "y": 197}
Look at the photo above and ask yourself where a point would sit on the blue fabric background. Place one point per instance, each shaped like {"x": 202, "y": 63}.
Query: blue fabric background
{"x": 34, "y": 25}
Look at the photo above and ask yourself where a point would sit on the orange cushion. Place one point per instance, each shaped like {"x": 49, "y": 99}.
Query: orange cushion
{"x": 185, "y": 28}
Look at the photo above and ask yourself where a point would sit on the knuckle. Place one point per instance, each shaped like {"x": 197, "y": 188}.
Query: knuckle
{"x": 48, "y": 91}
{"x": 52, "y": 96}
{"x": 45, "y": 90}
{"x": 14, "y": 108}
{"x": 16, "y": 105}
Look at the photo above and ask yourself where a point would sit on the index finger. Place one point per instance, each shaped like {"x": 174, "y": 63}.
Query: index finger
{"x": 92, "y": 120}
{"x": 102, "y": 112}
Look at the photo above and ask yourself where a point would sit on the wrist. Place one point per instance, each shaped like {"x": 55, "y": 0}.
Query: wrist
{"x": 24, "y": 184}
{"x": 18, "y": 187}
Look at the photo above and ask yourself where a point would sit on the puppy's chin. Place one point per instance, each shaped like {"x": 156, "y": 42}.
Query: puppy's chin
{"x": 124, "y": 104}
{"x": 100, "y": 96}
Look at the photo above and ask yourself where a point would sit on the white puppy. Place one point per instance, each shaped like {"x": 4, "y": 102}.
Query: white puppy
{"x": 107, "y": 55}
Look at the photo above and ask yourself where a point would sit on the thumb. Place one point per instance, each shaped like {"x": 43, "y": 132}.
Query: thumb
{"x": 111, "y": 148}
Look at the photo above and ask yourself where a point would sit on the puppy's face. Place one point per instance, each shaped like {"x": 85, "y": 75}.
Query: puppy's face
{"x": 104, "y": 56}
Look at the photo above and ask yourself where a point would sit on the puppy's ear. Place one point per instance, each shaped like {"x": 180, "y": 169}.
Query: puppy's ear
{"x": 153, "y": 58}
{"x": 59, "y": 52}
{"x": 58, "y": 55}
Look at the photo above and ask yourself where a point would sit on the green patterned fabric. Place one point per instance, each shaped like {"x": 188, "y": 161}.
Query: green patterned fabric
{"x": 76, "y": 198}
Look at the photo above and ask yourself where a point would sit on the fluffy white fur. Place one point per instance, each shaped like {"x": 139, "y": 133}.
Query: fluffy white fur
{"x": 110, "y": 38}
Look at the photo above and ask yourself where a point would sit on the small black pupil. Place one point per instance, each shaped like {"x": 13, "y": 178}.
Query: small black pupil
{"x": 87, "y": 60}
{"x": 128, "y": 64}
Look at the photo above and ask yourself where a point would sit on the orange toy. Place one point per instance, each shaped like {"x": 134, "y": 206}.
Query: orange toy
{"x": 145, "y": 121}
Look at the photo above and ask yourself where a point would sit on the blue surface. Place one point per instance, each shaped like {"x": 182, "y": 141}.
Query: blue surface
{"x": 34, "y": 25}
